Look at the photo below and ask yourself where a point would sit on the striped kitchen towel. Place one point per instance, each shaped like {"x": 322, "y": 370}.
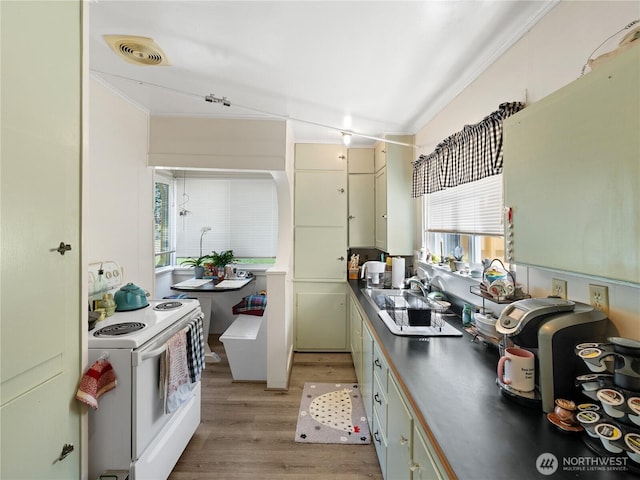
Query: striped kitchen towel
{"x": 195, "y": 349}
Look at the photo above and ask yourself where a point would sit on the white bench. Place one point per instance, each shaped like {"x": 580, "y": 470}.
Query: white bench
{"x": 245, "y": 342}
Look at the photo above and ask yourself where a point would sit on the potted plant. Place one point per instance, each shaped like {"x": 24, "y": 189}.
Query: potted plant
{"x": 197, "y": 264}
{"x": 220, "y": 260}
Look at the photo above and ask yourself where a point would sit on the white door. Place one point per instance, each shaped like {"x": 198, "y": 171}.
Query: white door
{"x": 40, "y": 208}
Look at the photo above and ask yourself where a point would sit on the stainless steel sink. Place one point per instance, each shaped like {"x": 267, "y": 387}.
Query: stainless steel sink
{"x": 395, "y": 307}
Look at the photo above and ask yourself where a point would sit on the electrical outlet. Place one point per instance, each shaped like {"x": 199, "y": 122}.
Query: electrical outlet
{"x": 559, "y": 288}
{"x": 599, "y": 297}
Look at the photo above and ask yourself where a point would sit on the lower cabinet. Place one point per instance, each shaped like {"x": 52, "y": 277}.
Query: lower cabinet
{"x": 321, "y": 317}
{"x": 355, "y": 335}
{"x": 403, "y": 449}
{"x": 399, "y": 434}
{"x": 424, "y": 465}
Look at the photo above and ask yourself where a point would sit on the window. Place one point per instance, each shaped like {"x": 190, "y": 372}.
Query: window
{"x": 241, "y": 212}
{"x": 468, "y": 216}
{"x": 163, "y": 222}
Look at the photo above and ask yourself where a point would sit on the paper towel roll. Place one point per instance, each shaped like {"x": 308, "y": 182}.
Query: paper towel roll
{"x": 397, "y": 272}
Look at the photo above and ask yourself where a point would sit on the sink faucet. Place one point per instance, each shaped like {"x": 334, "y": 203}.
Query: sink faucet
{"x": 420, "y": 285}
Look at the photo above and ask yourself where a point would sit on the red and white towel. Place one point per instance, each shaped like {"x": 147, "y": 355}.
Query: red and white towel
{"x": 98, "y": 380}
{"x": 174, "y": 373}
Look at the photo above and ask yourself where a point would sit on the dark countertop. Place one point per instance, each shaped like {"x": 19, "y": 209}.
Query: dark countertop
{"x": 450, "y": 382}
{"x": 211, "y": 286}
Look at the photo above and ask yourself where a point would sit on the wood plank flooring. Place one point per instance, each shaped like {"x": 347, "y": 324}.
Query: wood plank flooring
{"x": 248, "y": 432}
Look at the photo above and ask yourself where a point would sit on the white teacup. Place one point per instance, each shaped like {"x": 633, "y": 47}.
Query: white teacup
{"x": 517, "y": 369}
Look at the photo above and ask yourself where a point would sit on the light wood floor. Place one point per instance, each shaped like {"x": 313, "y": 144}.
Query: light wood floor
{"x": 248, "y": 432}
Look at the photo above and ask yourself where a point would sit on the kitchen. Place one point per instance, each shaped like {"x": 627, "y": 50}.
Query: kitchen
{"x": 540, "y": 63}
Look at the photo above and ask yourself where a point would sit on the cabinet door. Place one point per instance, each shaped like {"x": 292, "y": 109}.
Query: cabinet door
{"x": 361, "y": 210}
{"x": 367, "y": 371}
{"x": 320, "y": 198}
{"x": 423, "y": 467}
{"x": 316, "y": 156}
{"x": 381, "y": 209}
{"x": 360, "y": 160}
{"x": 320, "y": 253}
{"x": 399, "y": 434}
{"x": 321, "y": 321}
{"x": 355, "y": 321}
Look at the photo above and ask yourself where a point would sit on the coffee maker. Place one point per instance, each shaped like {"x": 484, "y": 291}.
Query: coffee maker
{"x": 550, "y": 328}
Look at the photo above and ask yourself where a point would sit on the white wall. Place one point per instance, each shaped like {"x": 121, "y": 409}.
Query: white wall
{"x": 119, "y": 186}
{"x": 548, "y": 57}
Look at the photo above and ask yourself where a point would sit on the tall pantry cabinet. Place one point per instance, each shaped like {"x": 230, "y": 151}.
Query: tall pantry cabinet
{"x": 394, "y": 206}
{"x": 320, "y": 247}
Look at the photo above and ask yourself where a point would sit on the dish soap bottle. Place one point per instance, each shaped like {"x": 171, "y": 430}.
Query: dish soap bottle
{"x": 467, "y": 314}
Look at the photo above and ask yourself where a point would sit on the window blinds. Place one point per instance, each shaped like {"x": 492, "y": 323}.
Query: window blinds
{"x": 472, "y": 208}
{"x": 242, "y": 214}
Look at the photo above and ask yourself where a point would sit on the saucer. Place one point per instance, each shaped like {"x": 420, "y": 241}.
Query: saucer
{"x": 566, "y": 427}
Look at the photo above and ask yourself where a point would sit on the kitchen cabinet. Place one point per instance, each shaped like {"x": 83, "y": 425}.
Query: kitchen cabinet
{"x": 361, "y": 198}
{"x": 403, "y": 449}
{"x": 320, "y": 212}
{"x": 572, "y": 175}
{"x": 355, "y": 337}
{"x": 394, "y": 206}
{"x": 320, "y": 248}
{"x": 399, "y": 435}
{"x": 423, "y": 465}
{"x": 320, "y": 312}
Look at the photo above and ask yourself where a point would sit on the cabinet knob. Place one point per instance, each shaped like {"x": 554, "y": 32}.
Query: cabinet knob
{"x": 376, "y": 436}
{"x": 384, "y": 216}
{"x": 351, "y": 217}
{"x": 403, "y": 440}
{"x": 414, "y": 466}
{"x": 341, "y": 190}
{"x": 341, "y": 258}
{"x": 376, "y": 397}
{"x": 377, "y": 363}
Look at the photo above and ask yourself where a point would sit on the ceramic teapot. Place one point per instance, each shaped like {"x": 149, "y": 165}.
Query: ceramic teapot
{"x": 130, "y": 297}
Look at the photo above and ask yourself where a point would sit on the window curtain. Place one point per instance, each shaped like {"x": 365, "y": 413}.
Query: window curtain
{"x": 472, "y": 154}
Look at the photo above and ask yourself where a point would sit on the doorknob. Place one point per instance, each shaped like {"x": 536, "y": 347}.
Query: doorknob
{"x": 62, "y": 248}
{"x": 67, "y": 448}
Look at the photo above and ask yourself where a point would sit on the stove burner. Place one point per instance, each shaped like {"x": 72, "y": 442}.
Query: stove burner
{"x": 167, "y": 305}
{"x": 119, "y": 329}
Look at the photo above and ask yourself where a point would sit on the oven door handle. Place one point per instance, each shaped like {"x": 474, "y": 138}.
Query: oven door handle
{"x": 152, "y": 353}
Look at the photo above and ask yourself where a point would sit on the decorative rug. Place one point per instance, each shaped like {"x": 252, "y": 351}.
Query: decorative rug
{"x": 332, "y": 413}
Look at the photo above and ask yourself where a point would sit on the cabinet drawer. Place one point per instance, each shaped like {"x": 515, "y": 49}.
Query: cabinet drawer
{"x": 380, "y": 404}
{"x": 380, "y": 367}
{"x": 380, "y": 441}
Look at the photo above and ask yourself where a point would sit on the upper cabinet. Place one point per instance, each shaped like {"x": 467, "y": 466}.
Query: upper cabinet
{"x": 361, "y": 198}
{"x": 394, "y": 206}
{"x": 572, "y": 174}
{"x": 320, "y": 212}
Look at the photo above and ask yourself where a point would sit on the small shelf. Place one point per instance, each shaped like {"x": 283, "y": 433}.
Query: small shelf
{"x": 476, "y": 290}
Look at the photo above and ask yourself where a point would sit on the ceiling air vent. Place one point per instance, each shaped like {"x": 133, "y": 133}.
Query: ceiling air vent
{"x": 138, "y": 50}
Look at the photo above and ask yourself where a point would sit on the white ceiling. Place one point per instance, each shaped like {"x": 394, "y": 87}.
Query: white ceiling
{"x": 365, "y": 66}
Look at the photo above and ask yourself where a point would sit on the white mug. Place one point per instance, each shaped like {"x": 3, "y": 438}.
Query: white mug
{"x": 517, "y": 369}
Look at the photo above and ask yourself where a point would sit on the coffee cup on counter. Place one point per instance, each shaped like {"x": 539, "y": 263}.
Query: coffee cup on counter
{"x": 516, "y": 368}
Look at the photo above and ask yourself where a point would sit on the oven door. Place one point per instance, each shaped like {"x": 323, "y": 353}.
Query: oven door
{"x": 149, "y": 417}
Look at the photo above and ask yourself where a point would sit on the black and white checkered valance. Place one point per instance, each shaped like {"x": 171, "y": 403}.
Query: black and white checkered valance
{"x": 466, "y": 156}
